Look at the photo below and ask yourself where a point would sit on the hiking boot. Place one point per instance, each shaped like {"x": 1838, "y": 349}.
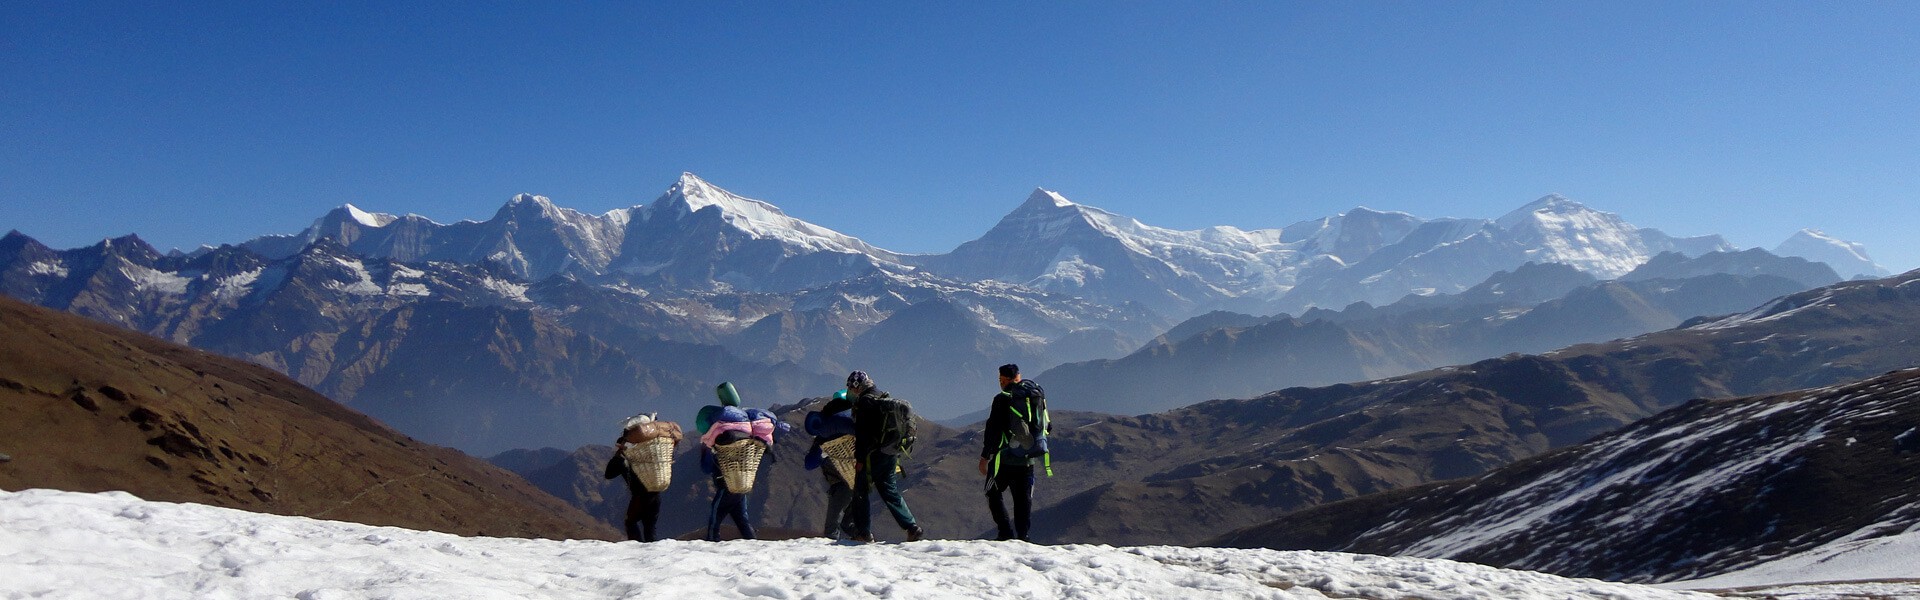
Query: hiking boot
{"x": 864, "y": 539}
{"x": 916, "y": 534}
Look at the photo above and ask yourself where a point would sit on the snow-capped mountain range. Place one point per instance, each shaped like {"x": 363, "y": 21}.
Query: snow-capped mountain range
{"x": 695, "y": 236}
{"x": 771, "y": 301}
{"x": 699, "y": 237}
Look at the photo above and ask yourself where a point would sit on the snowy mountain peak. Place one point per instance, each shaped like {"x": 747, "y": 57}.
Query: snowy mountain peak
{"x": 1848, "y": 258}
{"x": 756, "y": 218}
{"x": 366, "y": 218}
{"x": 694, "y": 194}
{"x": 1815, "y": 233}
{"x": 1816, "y": 236}
{"x": 1548, "y": 206}
{"x": 129, "y": 244}
{"x": 533, "y": 199}
{"x": 1362, "y": 214}
{"x": 1044, "y": 198}
{"x": 533, "y": 205}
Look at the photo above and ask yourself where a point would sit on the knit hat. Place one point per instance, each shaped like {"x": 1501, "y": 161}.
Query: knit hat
{"x": 859, "y": 379}
{"x": 1009, "y": 370}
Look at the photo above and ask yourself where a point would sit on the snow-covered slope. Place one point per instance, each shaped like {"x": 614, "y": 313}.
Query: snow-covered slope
{"x": 1892, "y": 557}
{"x": 113, "y": 545}
{"x": 1708, "y": 488}
{"x": 1678, "y": 473}
{"x": 1848, "y": 258}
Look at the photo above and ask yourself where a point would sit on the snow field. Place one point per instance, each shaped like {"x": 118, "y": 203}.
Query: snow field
{"x": 1891, "y": 558}
{"x": 112, "y": 545}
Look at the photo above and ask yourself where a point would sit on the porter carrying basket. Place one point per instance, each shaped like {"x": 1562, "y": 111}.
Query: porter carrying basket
{"x": 839, "y": 454}
{"x": 739, "y": 463}
{"x": 652, "y": 462}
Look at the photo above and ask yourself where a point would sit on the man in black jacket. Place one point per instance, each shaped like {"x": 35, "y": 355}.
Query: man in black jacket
{"x": 1007, "y": 462}
{"x": 879, "y": 466}
{"x": 644, "y": 509}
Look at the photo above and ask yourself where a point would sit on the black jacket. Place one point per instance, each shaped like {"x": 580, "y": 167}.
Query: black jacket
{"x": 868, "y": 419}
{"x": 1000, "y": 417}
{"x": 618, "y": 468}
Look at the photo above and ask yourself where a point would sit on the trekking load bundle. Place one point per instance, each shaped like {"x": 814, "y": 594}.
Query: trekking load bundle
{"x": 739, "y": 463}
{"x": 651, "y": 458}
{"x": 839, "y": 453}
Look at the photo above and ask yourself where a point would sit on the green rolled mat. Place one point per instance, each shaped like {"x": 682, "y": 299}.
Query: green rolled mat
{"x": 704, "y": 420}
{"x": 728, "y": 395}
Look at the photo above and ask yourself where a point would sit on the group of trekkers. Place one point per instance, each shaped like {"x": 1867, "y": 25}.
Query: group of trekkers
{"x": 861, "y": 437}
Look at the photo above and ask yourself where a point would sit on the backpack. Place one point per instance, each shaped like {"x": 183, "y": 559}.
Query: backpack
{"x": 897, "y": 431}
{"x": 1028, "y": 426}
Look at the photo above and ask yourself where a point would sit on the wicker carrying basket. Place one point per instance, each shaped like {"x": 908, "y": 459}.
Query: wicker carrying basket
{"x": 839, "y": 454}
{"x": 739, "y": 463}
{"x": 652, "y": 462}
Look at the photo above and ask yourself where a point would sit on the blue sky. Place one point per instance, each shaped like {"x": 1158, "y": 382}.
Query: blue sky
{"x": 916, "y": 125}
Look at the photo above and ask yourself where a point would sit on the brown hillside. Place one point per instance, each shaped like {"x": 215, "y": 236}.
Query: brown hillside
{"x": 88, "y": 407}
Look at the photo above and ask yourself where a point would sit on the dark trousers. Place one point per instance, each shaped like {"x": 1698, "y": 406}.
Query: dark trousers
{"x": 880, "y": 475}
{"x": 839, "y": 499}
{"x": 1016, "y": 478}
{"x": 642, "y": 512}
{"x": 727, "y": 504}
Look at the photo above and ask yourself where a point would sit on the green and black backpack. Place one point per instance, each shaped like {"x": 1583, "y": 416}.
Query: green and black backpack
{"x": 1028, "y": 426}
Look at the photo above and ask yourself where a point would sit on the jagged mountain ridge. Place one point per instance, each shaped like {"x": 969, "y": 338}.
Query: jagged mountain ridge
{"x": 695, "y": 236}
{"x": 1710, "y": 487}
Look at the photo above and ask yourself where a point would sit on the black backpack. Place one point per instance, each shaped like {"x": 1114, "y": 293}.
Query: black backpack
{"x": 897, "y": 431}
{"x": 1028, "y": 426}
